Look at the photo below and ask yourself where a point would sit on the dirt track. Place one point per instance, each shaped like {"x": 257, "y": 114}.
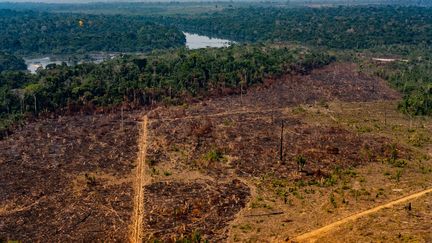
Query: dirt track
{"x": 314, "y": 235}
{"x": 140, "y": 181}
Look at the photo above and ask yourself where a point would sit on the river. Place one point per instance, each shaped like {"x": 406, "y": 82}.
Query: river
{"x": 41, "y": 62}
{"x": 193, "y": 41}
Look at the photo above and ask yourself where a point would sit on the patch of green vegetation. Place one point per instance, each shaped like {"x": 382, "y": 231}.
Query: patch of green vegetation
{"x": 346, "y": 186}
{"x": 294, "y": 191}
{"x": 407, "y": 238}
{"x": 397, "y": 128}
{"x": 154, "y": 171}
{"x": 380, "y": 193}
{"x": 309, "y": 191}
{"x": 301, "y": 162}
{"x": 194, "y": 237}
{"x": 298, "y": 110}
{"x": 331, "y": 180}
{"x": 214, "y": 155}
{"x": 151, "y": 161}
{"x": 332, "y": 200}
{"x": 276, "y": 182}
{"x": 399, "y": 163}
{"x": 350, "y": 172}
{"x": 260, "y": 204}
{"x": 425, "y": 170}
{"x": 398, "y": 175}
{"x": 228, "y": 122}
{"x": 358, "y": 193}
{"x": 300, "y": 183}
{"x": 245, "y": 228}
{"x": 393, "y": 158}
{"x": 323, "y": 104}
{"x": 419, "y": 139}
{"x": 175, "y": 148}
{"x": 364, "y": 129}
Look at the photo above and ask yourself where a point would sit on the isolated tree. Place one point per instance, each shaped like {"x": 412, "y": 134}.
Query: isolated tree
{"x": 33, "y": 90}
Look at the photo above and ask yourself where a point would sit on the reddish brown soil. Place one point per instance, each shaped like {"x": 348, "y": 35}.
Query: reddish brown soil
{"x": 43, "y": 183}
{"x": 173, "y": 209}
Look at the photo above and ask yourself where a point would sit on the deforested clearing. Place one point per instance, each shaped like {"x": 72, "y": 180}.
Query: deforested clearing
{"x": 286, "y": 157}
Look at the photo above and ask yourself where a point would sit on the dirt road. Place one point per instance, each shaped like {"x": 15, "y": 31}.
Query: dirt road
{"x": 140, "y": 181}
{"x": 314, "y": 235}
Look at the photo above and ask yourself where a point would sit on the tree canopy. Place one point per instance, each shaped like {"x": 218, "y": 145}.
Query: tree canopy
{"x": 11, "y": 62}
{"x": 337, "y": 27}
{"x": 27, "y": 32}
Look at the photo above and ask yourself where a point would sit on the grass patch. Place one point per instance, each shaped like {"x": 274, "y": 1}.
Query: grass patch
{"x": 213, "y": 155}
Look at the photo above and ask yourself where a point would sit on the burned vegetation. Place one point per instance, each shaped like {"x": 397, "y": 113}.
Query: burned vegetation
{"x": 343, "y": 82}
{"x": 241, "y": 137}
{"x": 243, "y": 133}
{"x": 178, "y": 210}
{"x": 71, "y": 178}
{"x": 66, "y": 179}
{"x": 250, "y": 144}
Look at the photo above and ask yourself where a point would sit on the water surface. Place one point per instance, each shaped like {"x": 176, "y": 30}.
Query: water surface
{"x": 195, "y": 41}
{"x": 41, "y": 62}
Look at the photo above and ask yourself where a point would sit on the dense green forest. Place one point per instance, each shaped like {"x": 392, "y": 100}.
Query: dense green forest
{"x": 47, "y": 33}
{"x": 340, "y": 28}
{"x": 11, "y": 62}
{"x": 169, "y": 77}
{"x": 413, "y": 78}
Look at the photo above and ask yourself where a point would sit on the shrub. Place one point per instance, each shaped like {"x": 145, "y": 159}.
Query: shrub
{"x": 301, "y": 162}
{"x": 213, "y": 155}
{"x": 333, "y": 200}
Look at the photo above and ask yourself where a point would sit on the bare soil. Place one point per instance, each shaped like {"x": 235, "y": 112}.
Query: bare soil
{"x": 67, "y": 179}
{"x": 409, "y": 222}
{"x": 314, "y": 235}
{"x": 214, "y": 169}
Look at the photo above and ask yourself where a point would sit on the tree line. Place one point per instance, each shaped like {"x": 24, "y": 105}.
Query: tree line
{"x": 413, "y": 78}
{"x": 169, "y": 77}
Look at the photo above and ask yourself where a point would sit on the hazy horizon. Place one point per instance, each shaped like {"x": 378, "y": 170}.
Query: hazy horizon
{"x": 153, "y": 1}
